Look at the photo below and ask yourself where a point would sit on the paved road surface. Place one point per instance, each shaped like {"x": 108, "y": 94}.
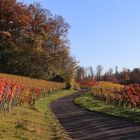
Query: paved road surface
{"x": 85, "y": 125}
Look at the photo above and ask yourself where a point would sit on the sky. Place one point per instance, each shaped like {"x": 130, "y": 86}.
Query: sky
{"x": 103, "y": 32}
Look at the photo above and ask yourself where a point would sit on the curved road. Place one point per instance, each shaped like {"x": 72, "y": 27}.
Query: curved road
{"x": 82, "y": 124}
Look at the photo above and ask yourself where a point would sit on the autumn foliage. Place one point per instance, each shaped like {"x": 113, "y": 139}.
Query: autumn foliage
{"x": 118, "y": 95}
{"x": 130, "y": 95}
{"x": 33, "y": 41}
{"x": 86, "y": 83}
{"x": 18, "y": 93}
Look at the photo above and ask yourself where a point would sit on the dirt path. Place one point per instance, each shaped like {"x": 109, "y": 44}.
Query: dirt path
{"x": 85, "y": 125}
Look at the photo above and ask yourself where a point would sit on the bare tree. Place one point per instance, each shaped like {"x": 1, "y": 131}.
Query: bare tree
{"x": 110, "y": 71}
{"x": 80, "y": 73}
{"x": 99, "y": 71}
{"x": 91, "y": 72}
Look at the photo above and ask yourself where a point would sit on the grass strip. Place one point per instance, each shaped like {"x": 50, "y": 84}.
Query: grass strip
{"x": 88, "y": 102}
{"x": 27, "y": 124}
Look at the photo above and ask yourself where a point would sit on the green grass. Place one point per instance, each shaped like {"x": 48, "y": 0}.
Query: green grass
{"x": 87, "y": 101}
{"x": 27, "y": 124}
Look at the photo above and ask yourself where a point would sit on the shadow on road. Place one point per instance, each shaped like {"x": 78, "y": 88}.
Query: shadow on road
{"x": 85, "y": 125}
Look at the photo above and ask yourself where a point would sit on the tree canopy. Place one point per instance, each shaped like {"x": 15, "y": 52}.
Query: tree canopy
{"x": 33, "y": 42}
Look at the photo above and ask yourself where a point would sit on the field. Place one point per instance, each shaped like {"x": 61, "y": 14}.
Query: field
{"x": 25, "y": 112}
{"x": 17, "y": 90}
{"x": 113, "y": 99}
{"x": 27, "y": 124}
{"x": 30, "y": 82}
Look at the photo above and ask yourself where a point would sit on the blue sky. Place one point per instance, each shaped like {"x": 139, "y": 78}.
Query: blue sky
{"x": 105, "y": 32}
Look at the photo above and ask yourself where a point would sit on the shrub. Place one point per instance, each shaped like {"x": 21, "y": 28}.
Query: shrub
{"x": 123, "y": 96}
{"x": 22, "y": 90}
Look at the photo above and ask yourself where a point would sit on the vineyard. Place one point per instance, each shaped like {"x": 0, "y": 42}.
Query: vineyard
{"x": 86, "y": 83}
{"x": 116, "y": 94}
{"x": 16, "y": 90}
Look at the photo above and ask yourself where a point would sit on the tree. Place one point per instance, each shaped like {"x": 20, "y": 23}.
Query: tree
{"x": 135, "y": 76}
{"x": 80, "y": 73}
{"x": 70, "y": 71}
{"x": 33, "y": 42}
{"x": 116, "y": 70}
{"x": 110, "y": 71}
{"x": 124, "y": 76}
{"x": 99, "y": 71}
{"x": 91, "y": 72}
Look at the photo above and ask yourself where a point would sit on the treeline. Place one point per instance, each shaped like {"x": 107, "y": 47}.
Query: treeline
{"x": 124, "y": 77}
{"x": 33, "y": 42}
